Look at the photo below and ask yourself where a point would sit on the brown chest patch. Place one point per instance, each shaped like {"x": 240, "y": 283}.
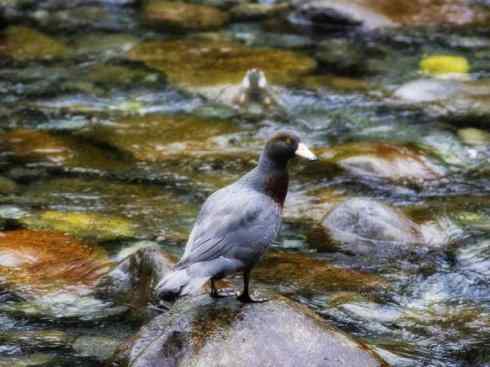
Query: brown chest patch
{"x": 276, "y": 186}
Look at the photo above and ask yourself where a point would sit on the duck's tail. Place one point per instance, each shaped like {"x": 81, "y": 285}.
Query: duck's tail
{"x": 179, "y": 283}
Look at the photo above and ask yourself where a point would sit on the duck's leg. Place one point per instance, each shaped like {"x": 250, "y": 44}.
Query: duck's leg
{"x": 245, "y": 295}
{"x": 223, "y": 292}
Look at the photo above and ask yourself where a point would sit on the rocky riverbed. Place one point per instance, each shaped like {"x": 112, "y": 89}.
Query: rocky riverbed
{"x": 119, "y": 117}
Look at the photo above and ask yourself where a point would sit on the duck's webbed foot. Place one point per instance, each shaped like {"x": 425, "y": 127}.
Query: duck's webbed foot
{"x": 245, "y": 295}
{"x": 245, "y": 298}
{"x": 222, "y": 292}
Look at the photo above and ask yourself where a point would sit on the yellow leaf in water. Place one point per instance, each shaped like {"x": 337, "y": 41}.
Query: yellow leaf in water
{"x": 444, "y": 64}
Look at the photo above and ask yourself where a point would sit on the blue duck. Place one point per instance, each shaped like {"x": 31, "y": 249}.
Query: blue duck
{"x": 236, "y": 224}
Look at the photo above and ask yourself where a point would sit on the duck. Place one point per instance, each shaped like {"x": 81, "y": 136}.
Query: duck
{"x": 236, "y": 224}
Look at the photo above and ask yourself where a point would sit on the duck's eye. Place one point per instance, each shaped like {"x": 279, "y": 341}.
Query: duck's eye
{"x": 288, "y": 141}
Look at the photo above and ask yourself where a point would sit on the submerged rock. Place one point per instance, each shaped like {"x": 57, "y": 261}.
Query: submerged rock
{"x": 25, "y": 44}
{"x": 197, "y": 62}
{"x": 39, "y": 262}
{"x": 177, "y": 15}
{"x": 141, "y": 210}
{"x": 133, "y": 280}
{"x": 397, "y": 163}
{"x": 475, "y": 137}
{"x": 99, "y": 347}
{"x": 363, "y": 226}
{"x": 36, "y": 340}
{"x": 427, "y": 90}
{"x": 106, "y": 45}
{"x": 251, "y": 11}
{"x": 96, "y": 226}
{"x": 300, "y": 275}
{"x": 30, "y": 360}
{"x": 205, "y": 332}
{"x": 57, "y": 150}
{"x": 7, "y": 186}
{"x": 454, "y": 100}
{"x": 157, "y": 137}
{"x": 357, "y": 221}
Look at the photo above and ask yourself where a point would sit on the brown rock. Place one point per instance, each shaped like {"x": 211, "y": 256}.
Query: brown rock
{"x": 182, "y": 16}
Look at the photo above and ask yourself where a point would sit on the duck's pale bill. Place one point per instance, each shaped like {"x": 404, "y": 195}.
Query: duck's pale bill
{"x": 303, "y": 152}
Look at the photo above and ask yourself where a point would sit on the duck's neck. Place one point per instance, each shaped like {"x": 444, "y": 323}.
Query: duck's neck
{"x": 271, "y": 177}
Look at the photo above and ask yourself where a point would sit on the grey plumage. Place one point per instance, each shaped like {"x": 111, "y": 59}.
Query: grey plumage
{"x": 234, "y": 228}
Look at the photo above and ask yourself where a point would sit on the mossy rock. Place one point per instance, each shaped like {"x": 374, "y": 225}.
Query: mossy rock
{"x": 57, "y": 150}
{"x": 403, "y": 164}
{"x": 105, "y": 44}
{"x": 157, "y": 137}
{"x": 444, "y": 64}
{"x": 25, "y": 44}
{"x": 338, "y": 83}
{"x": 83, "y": 225}
{"x": 153, "y": 209}
{"x": 176, "y": 15}
{"x": 199, "y": 63}
{"x": 43, "y": 261}
{"x": 120, "y": 76}
{"x": 7, "y": 186}
{"x": 472, "y": 136}
{"x": 304, "y": 275}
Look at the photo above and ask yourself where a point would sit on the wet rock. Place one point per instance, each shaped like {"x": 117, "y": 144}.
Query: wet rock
{"x": 42, "y": 261}
{"x": 25, "y": 44}
{"x": 251, "y": 11}
{"x": 206, "y": 332}
{"x": 7, "y": 186}
{"x": 311, "y": 205}
{"x": 299, "y": 274}
{"x": 342, "y": 54}
{"x": 133, "y": 280}
{"x": 157, "y": 137}
{"x": 474, "y": 257}
{"x": 34, "y": 359}
{"x": 52, "y": 276}
{"x": 147, "y": 210}
{"x": 95, "y": 226}
{"x": 455, "y": 100}
{"x": 363, "y": 226}
{"x": 472, "y": 136}
{"x": 76, "y": 15}
{"x": 335, "y": 15}
{"x": 99, "y": 347}
{"x": 195, "y": 62}
{"x": 113, "y": 76}
{"x": 375, "y": 14}
{"x": 29, "y": 143}
{"x": 37, "y": 340}
{"x": 58, "y": 150}
{"x": 428, "y": 90}
{"x": 397, "y": 163}
{"x": 337, "y": 83}
{"x": 177, "y": 15}
{"x": 106, "y": 45}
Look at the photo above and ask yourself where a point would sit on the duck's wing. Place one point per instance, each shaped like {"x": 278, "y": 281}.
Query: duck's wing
{"x": 231, "y": 218}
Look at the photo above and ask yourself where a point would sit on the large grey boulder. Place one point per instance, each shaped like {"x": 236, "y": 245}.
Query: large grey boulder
{"x": 202, "y": 331}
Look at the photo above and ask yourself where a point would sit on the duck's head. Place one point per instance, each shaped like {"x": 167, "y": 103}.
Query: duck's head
{"x": 254, "y": 79}
{"x": 286, "y": 145}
